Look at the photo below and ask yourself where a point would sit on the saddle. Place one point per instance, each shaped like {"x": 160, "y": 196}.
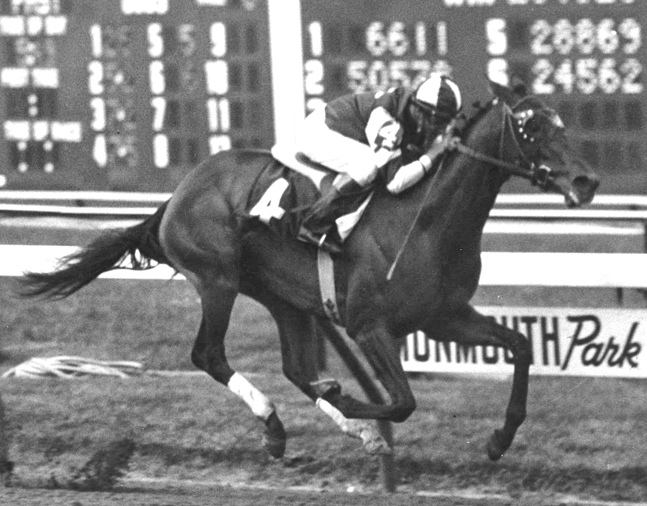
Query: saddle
{"x": 288, "y": 186}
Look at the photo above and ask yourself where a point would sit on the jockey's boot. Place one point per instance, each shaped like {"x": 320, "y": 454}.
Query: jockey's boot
{"x": 318, "y": 227}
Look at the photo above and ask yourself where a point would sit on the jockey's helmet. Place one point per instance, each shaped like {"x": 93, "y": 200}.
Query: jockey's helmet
{"x": 439, "y": 97}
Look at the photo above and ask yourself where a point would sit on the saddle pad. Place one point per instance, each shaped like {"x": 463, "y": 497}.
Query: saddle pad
{"x": 281, "y": 197}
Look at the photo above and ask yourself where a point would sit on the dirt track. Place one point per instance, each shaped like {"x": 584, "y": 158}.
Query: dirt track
{"x": 200, "y": 495}
{"x": 223, "y": 496}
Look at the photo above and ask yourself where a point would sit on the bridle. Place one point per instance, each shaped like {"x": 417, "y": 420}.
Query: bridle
{"x": 539, "y": 175}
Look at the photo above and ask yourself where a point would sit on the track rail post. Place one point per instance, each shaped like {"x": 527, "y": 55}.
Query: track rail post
{"x": 387, "y": 467}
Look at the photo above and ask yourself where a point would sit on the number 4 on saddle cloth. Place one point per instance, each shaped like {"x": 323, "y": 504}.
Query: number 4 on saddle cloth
{"x": 289, "y": 185}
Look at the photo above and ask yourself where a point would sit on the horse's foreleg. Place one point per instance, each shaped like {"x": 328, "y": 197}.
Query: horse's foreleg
{"x": 382, "y": 351}
{"x": 515, "y": 414}
{"x": 469, "y": 327}
{"x": 298, "y": 336}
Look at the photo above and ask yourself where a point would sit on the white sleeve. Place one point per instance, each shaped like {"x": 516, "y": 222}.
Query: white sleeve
{"x": 384, "y": 135}
{"x": 410, "y": 174}
{"x": 407, "y": 176}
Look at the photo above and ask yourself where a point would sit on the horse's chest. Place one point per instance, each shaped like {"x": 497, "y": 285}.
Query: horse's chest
{"x": 441, "y": 289}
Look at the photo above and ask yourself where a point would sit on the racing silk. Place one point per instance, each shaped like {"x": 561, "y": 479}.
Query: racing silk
{"x": 371, "y": 118}
{"x": 375, "y": 119}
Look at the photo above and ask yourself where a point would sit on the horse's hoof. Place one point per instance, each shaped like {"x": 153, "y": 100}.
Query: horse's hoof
{"x": 274, "y": 446}
{"x": 374, "y": 443}
{"x": 377, "y": 446}
{"x": 274, "y": 437}
{"x": 495, "y": 449}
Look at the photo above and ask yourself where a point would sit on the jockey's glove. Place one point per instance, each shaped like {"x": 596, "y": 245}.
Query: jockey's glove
{"x": 411, "y": 173}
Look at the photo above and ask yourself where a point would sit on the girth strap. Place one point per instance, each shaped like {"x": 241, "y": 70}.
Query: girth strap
{"x": 326, "y": 269}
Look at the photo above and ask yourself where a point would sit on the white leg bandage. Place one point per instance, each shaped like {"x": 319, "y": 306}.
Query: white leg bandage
{"x": 260, "y": 405}
{"x": 354, "y": 428}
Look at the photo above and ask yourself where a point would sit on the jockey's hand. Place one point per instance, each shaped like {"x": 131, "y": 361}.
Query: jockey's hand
{"x": 450, "y": 142}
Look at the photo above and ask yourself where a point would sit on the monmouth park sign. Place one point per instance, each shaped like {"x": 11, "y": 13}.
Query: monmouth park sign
{"x": 564, "y": 341}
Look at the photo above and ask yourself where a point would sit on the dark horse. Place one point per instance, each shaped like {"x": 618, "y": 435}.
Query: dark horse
{"x": 205, "y": 232}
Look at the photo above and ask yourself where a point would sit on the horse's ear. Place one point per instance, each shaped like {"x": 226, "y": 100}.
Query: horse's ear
{"x": 518, "y": 86}
{"x": 503, "y": 92}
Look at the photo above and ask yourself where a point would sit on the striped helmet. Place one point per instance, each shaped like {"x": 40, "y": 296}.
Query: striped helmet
{"x": 440, "y": 96}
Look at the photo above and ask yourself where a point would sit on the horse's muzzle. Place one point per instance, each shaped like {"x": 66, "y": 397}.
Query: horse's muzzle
{"x": 582, "y": 190}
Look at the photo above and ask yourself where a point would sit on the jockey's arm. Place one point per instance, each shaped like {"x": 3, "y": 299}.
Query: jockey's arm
{"x": 411, "y": 173}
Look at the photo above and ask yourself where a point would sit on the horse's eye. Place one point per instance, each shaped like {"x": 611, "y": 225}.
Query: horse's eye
{"x": 533, "y": 126}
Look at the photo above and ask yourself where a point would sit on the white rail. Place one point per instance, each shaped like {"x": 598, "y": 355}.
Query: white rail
{"x": 627, "y": 208}
{"x": 84, "y": 196}
{"x": 600, "y": 270}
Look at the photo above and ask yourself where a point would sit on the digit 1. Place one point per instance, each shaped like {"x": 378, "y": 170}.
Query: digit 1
{"x": 223, "y": 109}
{"x": 97, "y": 40}
{"x": 100, "y": 151}
{"x": 160, "y": 151}
{"x": 218, "y": 112}
{"x": 441, "y": 38}
{"x": 421, "y": 38}
{"x": 316, "y": 41}
{"x": 212, "y": 112}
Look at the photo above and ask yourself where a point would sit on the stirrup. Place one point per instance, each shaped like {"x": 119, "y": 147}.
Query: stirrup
{"x": 329, "y": 246}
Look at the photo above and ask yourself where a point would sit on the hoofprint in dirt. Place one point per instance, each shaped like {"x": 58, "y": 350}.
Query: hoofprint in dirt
{"x": 198, "y": 494}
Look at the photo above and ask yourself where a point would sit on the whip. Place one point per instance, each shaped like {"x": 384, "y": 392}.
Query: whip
{"x": 396, "y": 260}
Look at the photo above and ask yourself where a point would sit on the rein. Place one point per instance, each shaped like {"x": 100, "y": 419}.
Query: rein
{"x": 537, "y": 175}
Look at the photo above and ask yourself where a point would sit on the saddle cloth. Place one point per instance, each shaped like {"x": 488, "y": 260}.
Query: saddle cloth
{"x": 286, "y": 189}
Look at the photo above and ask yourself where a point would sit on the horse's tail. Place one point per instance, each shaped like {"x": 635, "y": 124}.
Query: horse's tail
{"x": 136, "y": 246}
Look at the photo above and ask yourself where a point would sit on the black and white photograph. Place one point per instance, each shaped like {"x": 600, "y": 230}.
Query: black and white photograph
{"x": 323, "y": 252}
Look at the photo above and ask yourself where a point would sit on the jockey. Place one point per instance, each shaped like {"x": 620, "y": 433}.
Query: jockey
{"x": 358, "y": 134}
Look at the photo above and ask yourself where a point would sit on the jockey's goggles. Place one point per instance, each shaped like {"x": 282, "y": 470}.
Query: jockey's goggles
{"x": 432, "y": 111}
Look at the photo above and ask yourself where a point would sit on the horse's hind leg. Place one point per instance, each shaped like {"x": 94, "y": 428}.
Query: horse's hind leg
{"x": 209, "y": 354}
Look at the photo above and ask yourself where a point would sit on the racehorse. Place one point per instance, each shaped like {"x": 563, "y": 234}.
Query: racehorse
{"x": 206, "y": 233}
